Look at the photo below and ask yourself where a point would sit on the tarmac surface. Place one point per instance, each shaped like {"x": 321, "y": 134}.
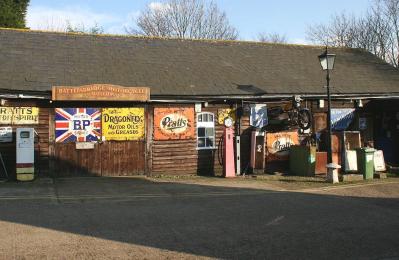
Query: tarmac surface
{"x": 141, "y": 218}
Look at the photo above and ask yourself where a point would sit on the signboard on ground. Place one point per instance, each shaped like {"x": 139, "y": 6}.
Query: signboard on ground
{"x": 350, "y": 161}
{"x": 174, "y": 123}
{"x": 77, "y": 124}
{"x": 123, "y": 124}
{"x": 379, "y": 162}
{"x": 19, "y": 115}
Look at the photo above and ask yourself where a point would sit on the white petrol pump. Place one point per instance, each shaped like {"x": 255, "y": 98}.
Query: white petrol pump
{"x": 25, "y": 142}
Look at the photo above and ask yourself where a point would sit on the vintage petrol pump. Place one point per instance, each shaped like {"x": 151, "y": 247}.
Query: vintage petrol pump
{"x": 257, "y": 163}
{"x": 258, "y": 119}
{"x": 25, "y": 141}
{"x": 228, "y": 149}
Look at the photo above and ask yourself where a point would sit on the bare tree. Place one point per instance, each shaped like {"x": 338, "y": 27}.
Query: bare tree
{"x": 59, "y": 25}
{"x": 377, "y": 31}
{"x": 272, "y": 38}
{"x": 196, "y": 19}
{"x": 339, "y": 32}
{"x": 81, "y": 28}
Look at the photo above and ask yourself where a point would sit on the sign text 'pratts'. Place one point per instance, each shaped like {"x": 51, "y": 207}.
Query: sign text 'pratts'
{"x": 106, "y": 92}
{"x": 174, "y": 123}
{"x": 19, "y": 115}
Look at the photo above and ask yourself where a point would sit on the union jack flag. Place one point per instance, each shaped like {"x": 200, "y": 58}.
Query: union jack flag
{"x": 77, "y": 124}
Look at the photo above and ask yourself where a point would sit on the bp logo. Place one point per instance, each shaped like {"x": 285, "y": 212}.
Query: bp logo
{"x": 77, "y": 124}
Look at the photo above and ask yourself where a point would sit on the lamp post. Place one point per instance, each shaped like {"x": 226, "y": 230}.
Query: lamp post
{"x": 327, "y": 63}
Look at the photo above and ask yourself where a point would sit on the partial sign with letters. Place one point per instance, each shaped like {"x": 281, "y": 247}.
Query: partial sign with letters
{"x": 77, "y": 124}
{"x": 278, "y": 145}
{"x": 123, "y": 123}
{"x": 174, "y": 123}
{"x": 6, "y": 134}
{"x": 84, "y": 145}
{"x": 19, "y": 115}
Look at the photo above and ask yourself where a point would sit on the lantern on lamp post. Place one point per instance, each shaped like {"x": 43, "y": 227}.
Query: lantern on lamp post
{"x": 327, "y": 61}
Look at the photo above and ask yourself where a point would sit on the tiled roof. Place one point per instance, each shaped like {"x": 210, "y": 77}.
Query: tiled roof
{"x": 36, "y": 61}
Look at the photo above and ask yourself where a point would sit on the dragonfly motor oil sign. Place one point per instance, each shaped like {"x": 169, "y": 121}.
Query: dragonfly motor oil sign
{"x": 77, "y": 124}
{"x": 123, "y": 124}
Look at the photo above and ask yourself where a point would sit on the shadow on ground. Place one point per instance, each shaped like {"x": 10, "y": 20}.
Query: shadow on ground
{"x": 218, "y": 222}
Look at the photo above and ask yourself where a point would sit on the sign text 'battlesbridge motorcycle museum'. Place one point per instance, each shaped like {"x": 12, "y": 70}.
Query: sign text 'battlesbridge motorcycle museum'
{"x": 104, "y": 92}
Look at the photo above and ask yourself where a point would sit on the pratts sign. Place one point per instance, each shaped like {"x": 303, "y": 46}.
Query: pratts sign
{"x": 173, "y": 123}
{"x": 19, "y": 115}
{"x": 278, "y": 145}
{"x": 104, "y": 92}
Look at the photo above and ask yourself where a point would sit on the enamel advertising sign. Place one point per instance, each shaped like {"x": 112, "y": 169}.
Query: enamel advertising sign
{"x": 77, "y": 124}
{"x": 19, "y": 115}
{"x": 174, "y": 123}
{"x": 225, "y": 113}
{"x": 278, "y": 145}
{"x": 122, "y": 124}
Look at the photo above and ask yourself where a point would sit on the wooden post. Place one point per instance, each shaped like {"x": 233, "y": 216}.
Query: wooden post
{"x": 51, "y": 143}
{"x": 149, "y": 120}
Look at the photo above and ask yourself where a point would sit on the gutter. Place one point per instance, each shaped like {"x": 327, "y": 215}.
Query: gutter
{"x": 277, "y": 96}
{"x": 22, "y": 96}
{"x": 204, "y": 98}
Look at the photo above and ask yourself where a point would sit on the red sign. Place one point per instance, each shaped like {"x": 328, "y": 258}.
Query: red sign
{"x": 278, "y": 145}
{"x": 174, "y": 123}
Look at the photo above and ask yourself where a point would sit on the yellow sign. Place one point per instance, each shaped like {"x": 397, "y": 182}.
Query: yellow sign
{"x": 19, "y": 115}
{"x": 224, "y": 113}
{"x": 122, "y": 124}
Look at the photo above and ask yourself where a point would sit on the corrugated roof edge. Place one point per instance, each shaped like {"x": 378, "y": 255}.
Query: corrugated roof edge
{"x": 185, "y": 39}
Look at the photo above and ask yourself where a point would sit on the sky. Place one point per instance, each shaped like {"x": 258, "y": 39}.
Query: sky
{"x": 250, "y": 17}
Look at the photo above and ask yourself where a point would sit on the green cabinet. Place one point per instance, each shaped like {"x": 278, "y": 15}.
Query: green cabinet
{"x": 302, "y": 160}
{"x": 365, "y": 162}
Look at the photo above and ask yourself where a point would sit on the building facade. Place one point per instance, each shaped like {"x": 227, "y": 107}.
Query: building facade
{"x": 118, "y": 106}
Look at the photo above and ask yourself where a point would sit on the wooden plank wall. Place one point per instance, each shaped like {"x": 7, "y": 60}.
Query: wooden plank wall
{"x": 71, "y": 162}
{"x": 209, "y": 161}
{"x": 182, "y": 156}
{"x": 108, "y": 158}
{"x": 245, "y": 146}
{"x": 153, "y": 156}
{"x": 8, "y": 150}
{"x": 172, "y": 156}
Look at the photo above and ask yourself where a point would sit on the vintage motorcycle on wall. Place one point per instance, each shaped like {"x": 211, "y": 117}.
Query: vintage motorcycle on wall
{"x": 291, "y": 116}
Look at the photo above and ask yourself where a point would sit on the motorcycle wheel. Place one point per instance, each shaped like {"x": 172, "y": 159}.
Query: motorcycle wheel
{"x": 304, "y": 119}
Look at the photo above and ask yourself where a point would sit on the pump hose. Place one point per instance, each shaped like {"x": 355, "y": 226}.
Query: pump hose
{"x": 220, "y": 150}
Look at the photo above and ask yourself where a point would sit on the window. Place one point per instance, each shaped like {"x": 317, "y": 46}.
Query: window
{"x": 205, "y": 131}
